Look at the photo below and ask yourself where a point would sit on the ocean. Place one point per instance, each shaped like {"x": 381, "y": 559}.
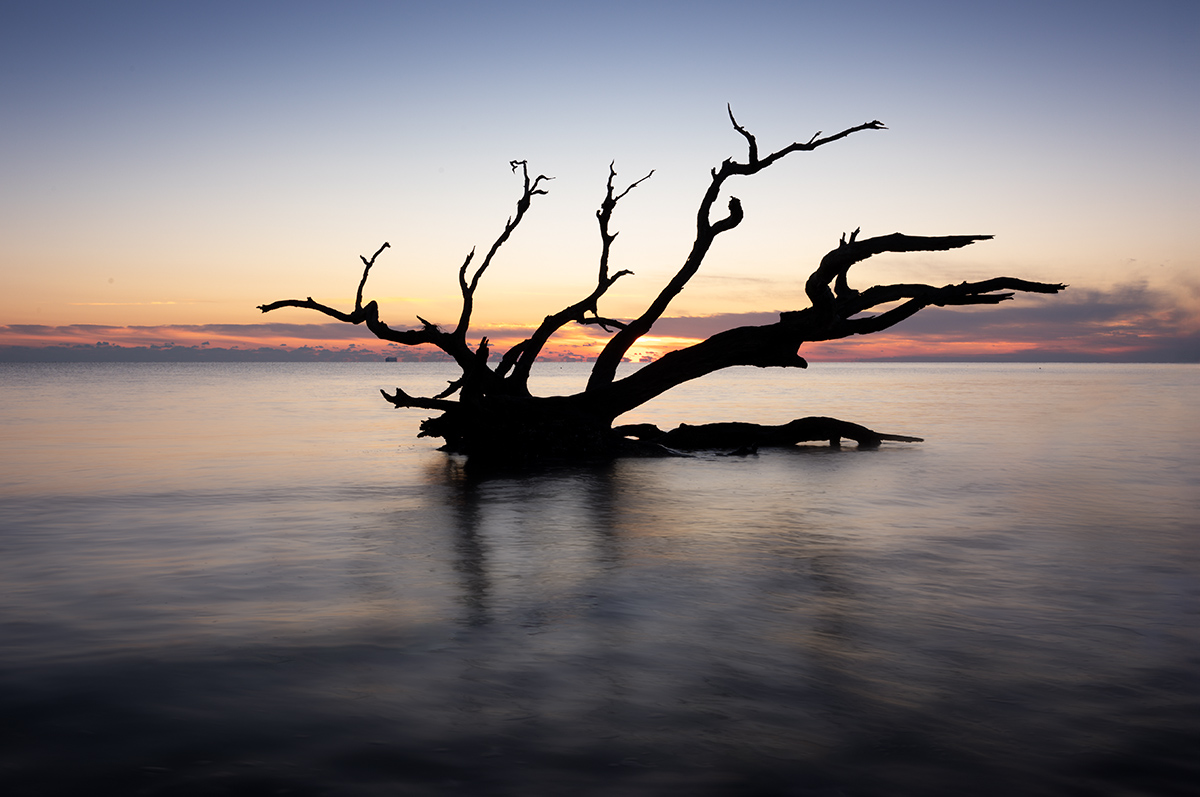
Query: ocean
{"x": 256, "y": 579}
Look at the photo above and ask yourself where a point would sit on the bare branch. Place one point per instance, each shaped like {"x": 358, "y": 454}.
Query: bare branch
{"x": 309, "y": 304}
{"x": 980, "y": 294}
{"x": 605, "y": 369}
{"x": 775, "y": 345}
{"x": 462, "y": 272}
{"x": 451, "y": 389}
{"x": 530, "y": 189}
{"x": 815, "y": 142}
{"x": 369, "y": 314}
{"x": 835, "y": 264}
{"x": 403, "y": 400}
{"x": 604, "y": 216}
{"x": 732, "y": 220}
{"x": 964, "y": 293}
{"x": 603, "y": 323}
{"x": 531, "y": 348}
{"x": 753, "y": 143}
{"x": 509, "y": 359}
{"x": 366, "y": 271}
{"x": 628, "y": 188}
{"x": 769, "y": 346}
{"x": 356, "y": 317}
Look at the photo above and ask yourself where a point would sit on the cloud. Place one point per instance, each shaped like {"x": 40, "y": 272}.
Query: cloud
{"x": 1128, "y": 322}
{"x": 701, "y": 327}
{"x": 34, "y": 334}
{"x": 1133, "y": 307}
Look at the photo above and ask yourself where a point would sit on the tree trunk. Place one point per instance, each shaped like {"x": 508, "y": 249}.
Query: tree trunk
{"x": 522, "y": 429}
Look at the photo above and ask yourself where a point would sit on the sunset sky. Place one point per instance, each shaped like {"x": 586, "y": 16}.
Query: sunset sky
{"x": 169, "y": 166}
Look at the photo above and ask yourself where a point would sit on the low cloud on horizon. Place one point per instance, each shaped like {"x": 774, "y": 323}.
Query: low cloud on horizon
{"x": 1127, "y": 323}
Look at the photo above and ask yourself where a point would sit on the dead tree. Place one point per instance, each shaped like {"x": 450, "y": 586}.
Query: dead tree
{"x": 494, "y": 415}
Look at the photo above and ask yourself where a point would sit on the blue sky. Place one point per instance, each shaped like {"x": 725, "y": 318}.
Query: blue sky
{"x": 170, "y": 163}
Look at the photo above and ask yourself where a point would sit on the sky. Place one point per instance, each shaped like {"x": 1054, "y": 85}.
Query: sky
{"x": 167, "y": 167}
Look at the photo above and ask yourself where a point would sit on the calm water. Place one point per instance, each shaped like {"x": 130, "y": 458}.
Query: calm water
{"x": 254, "y": 579}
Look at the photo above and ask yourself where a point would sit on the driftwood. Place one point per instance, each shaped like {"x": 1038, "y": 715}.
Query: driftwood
{"x": 488, "y": 412}
{"x": 735, "y": 435}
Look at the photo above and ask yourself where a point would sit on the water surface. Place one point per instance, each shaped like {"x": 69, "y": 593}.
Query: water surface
{"x": 255, "y": 579}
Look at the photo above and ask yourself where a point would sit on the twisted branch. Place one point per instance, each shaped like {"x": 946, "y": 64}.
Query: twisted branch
{"x": 707, "y": 230}
{"x": 829, "y": 318}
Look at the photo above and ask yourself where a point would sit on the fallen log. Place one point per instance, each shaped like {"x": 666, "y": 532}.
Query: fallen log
{"x": 740, "y": 435}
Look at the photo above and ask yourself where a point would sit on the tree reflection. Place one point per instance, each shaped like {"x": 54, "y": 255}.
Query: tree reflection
{"x": 527, "y": 538}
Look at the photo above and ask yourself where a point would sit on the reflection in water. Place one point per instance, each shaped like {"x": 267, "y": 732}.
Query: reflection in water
{"x": 468, "y": 547}
{"x": 534, "y": 530}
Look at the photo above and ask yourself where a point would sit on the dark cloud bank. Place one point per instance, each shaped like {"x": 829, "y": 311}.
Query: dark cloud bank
{"x": 1127, "y": 324}
{"x": 108, "y": 353}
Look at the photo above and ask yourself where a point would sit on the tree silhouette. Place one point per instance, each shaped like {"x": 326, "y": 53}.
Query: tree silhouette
{"x": 494, "y": 415}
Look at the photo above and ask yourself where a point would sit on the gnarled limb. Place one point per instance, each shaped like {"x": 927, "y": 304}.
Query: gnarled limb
{"x": 836, "y": 310}
{"x": 369, "y": 314}
{"x": 829, "y": 318}
{"x": 453, "y": 343}
{"x": 358, "y": 315}
{"x": 964, "y": 293}
{"x": 767, "y": 346}
{"x": 837, "y": 263}
{"x": 707, "y": 231}
{"x": 403, "y": 400}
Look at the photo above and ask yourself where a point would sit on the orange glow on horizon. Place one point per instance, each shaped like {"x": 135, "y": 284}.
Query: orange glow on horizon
{"x": 571, "y": 344}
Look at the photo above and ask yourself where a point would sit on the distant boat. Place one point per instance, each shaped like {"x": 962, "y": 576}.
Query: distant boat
{"x": 389, "y": 359}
